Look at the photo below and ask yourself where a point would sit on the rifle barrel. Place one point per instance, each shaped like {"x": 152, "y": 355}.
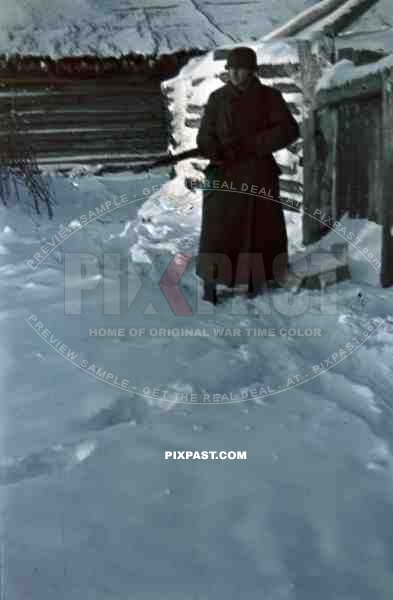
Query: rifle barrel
{"x": 171, "y": 159}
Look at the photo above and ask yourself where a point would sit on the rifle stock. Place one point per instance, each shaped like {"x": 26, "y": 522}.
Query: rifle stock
{"x": 171, "y": 159}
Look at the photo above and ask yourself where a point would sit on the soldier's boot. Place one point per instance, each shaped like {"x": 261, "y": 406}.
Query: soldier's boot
{"x": 210, "y": 292}
{"x": 254, "y": 290}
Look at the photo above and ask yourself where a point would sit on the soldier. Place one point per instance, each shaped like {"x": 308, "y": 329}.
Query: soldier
{"x": 243, "y": 236}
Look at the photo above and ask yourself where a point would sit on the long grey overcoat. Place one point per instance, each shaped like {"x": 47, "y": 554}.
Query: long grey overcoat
{"x": 243, "y": 227}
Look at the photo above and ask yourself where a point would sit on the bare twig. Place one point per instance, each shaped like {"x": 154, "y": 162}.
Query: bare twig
{"x": 18, "y": 163}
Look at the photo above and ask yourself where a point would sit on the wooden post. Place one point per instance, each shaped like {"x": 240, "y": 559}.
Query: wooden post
{"x": 310, "y": 185}
{"x": 387, "y": 197}
{"x": 311, "y": 70}
{"x": 311, "y": 197}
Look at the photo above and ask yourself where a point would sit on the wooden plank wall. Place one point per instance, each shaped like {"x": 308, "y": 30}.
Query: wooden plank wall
{"x": 359, "y": 158}
{"x": 102, "y": 121}
{"x": 355, "y": 124}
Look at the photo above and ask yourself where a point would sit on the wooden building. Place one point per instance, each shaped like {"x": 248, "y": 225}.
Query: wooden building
{"x": 89, "y": 110}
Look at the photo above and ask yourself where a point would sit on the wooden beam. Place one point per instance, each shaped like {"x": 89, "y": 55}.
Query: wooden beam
{"x": 310, "y": 71}
{"x": 311, "y": 199}
{"x": 387, "y": 199}
{"x": 359, "y": 88}
{"x": 342, "y": 18}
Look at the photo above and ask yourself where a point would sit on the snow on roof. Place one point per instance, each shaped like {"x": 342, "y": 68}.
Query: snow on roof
{"x": 344, "y": 9}
{"x": 343, "y": 72}
{"x": 306, "y": 18}
{"x": 377, "y": 17}
{"x": 278, "y": 51}
{"x": 113, "y": 28}
{"x": 380, "y": 40}
{"x": 323, "y": 15}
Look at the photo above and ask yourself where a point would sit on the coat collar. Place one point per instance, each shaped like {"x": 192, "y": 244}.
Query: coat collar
{"x": 237, "y": 93}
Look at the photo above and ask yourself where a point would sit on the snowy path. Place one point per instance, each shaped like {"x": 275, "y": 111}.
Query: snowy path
{"x": 90, "y": 507}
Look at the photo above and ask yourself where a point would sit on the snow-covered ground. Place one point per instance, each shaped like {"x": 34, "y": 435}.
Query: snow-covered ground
{"x": 90, "y": 506}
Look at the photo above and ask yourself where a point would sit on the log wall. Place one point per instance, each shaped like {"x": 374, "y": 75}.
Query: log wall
{"x": 118, "y": 120}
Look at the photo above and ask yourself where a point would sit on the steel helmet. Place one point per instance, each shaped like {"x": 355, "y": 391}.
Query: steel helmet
{"x": 242, "y": 57}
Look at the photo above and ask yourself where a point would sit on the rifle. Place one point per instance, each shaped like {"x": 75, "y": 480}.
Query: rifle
{"x": 170, "y": 159}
